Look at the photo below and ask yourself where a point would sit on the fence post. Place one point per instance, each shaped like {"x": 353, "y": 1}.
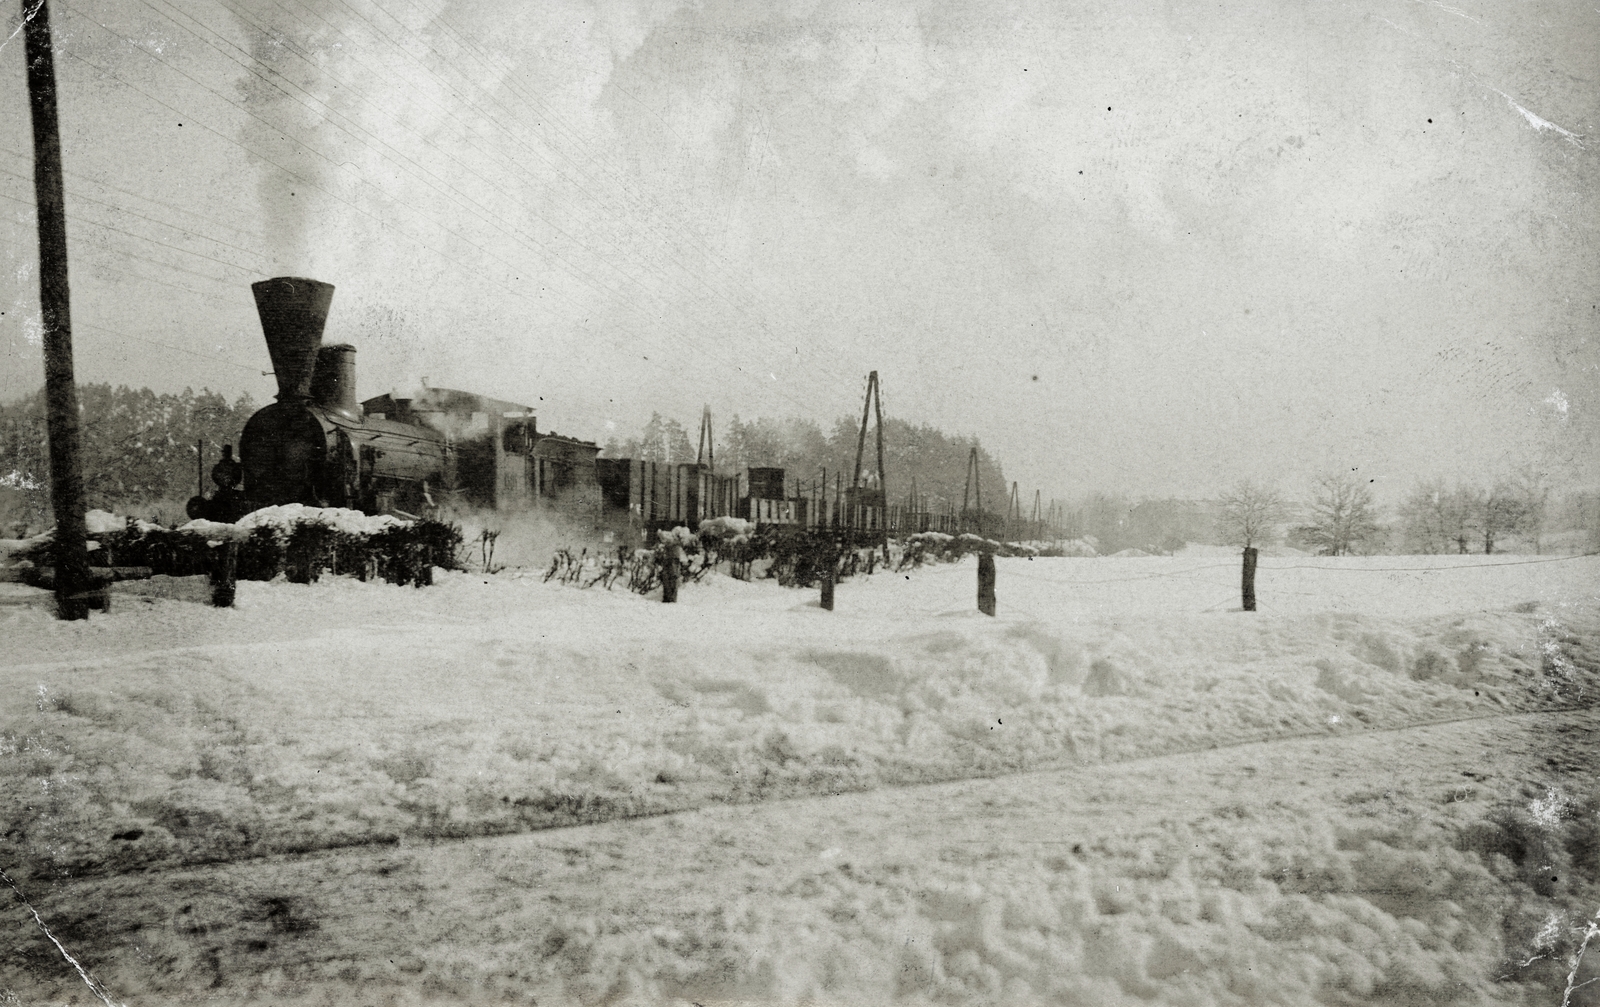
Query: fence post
{"x": 986, "y": 583}
{"x": 669, "y": 580}
{"x": 224, "y": 568}
{"x": 827, "y": 590}
{"x": 1249, "y": 578}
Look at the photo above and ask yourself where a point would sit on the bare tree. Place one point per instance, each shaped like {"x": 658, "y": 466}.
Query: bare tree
{"x": 1422, "y": 518}
{"x": 1586, "y": 511}
{"x": 1464, "y": 516}
{"x": 1342, "y": 516}
{"x": 1505, "y": 511}
{"x": 1437, "y": 519}
{"x": 1533, "y": 487}
{"x": 1250, "y": 514}
{"x": 1440, "y": 520}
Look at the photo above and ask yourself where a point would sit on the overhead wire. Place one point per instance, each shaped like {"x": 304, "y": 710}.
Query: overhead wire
{"x": 633, "y": 220}
{"x": 349, "y": 125}
{"x": 165, "y": 265}
{"x": 420, "y": 242}
{"x": 124, "y": 257}
{"x": 80, "y": 322}
{"x": 102, "y": 184}
{"x": 313, "y": 183}
{"x": 166, "y": 346}
{"x": 512, "y": 81}
{"x": 142, "y": 237}
{"x": 511, "y": 196}
{"x": 301, "y": 176}
{"x": 752, "y": 372}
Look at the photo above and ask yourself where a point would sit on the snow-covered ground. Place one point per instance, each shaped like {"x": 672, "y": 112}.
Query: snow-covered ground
{"x": 311, "y": 718}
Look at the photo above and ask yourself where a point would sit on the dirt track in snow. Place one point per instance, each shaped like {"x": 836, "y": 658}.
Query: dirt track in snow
{"x": 702, "y": 905}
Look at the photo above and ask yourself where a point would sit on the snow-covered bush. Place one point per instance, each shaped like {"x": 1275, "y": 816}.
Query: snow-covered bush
{"x": 924, "y": 547}
{"x": 937, "y": 547}
{"x": 731, "y": 540}
{"x": 299, "y": 542}
{"x": 585, "y": 570}
{"x": 728, "y": 530}
{"x": 644, "y": 568}
{"x": 801, "y": 556}
{"x": 678, "y": 543}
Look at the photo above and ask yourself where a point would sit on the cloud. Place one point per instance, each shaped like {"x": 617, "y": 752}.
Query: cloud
{"x": 874, "y": 163}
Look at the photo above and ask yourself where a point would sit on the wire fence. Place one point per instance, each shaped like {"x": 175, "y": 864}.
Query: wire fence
{"x": 1197, "y": 574}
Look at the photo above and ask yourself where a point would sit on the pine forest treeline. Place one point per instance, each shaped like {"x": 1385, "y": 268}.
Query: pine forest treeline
{"x": 139, "y": 449}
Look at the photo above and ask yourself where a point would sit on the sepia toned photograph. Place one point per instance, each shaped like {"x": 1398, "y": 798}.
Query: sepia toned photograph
{"x": 809, "y": 503}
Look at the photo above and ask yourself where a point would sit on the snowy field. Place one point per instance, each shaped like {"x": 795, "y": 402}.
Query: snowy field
{"x": 313, "y": 744}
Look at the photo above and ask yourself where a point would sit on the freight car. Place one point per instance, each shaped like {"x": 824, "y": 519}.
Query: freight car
{"x": 442, "y": 448}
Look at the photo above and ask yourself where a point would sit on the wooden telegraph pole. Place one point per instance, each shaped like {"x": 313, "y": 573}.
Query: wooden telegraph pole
{"x": 61, "y": 392}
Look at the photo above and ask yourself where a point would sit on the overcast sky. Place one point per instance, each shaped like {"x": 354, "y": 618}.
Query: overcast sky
{"x": 1150, "y": 248}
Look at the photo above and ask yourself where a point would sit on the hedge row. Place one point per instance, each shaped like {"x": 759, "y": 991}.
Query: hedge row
{"x": 400, "y": 554}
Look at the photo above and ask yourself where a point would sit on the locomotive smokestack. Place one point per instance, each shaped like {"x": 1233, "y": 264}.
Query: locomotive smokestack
{"x": 333, "y": 385}
{"x": 293, "y": 311}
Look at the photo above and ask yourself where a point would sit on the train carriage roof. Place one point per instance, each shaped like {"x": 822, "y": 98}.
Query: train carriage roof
{"x": 445, "y": 400}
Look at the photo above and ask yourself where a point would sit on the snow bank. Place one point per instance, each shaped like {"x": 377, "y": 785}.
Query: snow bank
{"x": 12, "y": 546}
{"x": 1166, "y": 916}
{"x": 283, "y": 520}
{"x": 214, "y": 532}
{"x": 97, "y": 522}
{"x": 730, "y": 530}
{"x": 342, "y": 519}
{"x": 100, "y": 522}
{"x": 347, "y": 712}
{"x": 498, "y": 705}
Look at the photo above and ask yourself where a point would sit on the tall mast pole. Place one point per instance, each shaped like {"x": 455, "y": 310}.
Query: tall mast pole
{"x": 61, "y": 392}
{"x": 861, "y": 438}
{"x": 877, "y": 412}
{"x": 883, "y": 477}
{"x": 707, "y": 453}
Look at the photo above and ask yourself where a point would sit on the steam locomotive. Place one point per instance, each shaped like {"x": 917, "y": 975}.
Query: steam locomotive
{"x": 317, "y": 445}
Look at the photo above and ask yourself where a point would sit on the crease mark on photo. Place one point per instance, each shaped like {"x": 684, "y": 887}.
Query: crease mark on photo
{"x": 94, "y": 986}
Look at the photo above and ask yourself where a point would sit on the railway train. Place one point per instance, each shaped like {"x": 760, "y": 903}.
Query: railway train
{"x": 444, "y": 449}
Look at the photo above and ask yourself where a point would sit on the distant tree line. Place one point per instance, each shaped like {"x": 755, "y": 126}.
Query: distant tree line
{"x": 1341, "y": 518}
{"x": 138, "y": 449}
{"x": 935, "y": 460}
{"x": 1437, "y": 518}
{"x": 1116, "y": 523}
